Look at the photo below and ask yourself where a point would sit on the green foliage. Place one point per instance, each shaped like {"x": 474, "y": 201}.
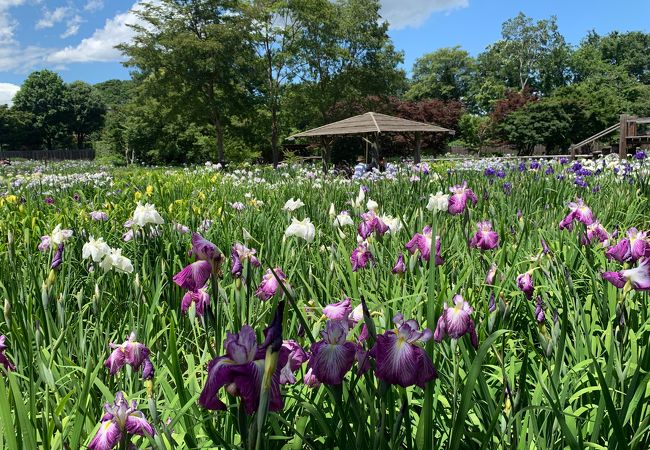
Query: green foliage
{"x": 86, "y": 108}
{"x": 444, "y": 74}
{"x": 474, "y": 130}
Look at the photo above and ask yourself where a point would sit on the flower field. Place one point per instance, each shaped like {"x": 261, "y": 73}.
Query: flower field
{"x": 483, "y": 304}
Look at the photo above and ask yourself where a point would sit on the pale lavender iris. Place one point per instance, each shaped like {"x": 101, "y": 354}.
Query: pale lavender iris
{"x": 295, "y": 359}
{"x": 638, "y": 277}
{"x": 239, "y": 254}
{"x": 360, "y": 257}
{"x": 119, "y": 418}
{"x": 422, "y": 242}
{"x": 130, "y": 352}
{"x": 270, "y": 285}
{"x": 596, "y": 232}
{"x": 99, "y": 216}
{"x": 492, "y": 271}
{"x": 45, "y": 244}
{"x": 333, "y": 356}
{"x": 460, "y": 195}
{"x": 4, "y": 361}
{"x": 200, "y": 298}
{"x": 485, "y": 238}
{"x": 456, "y": 321}
{"x": 525, "y": 284}
{"x": 241, "y": 371}
{"x": 399, "y": 357}
{"x": 339, "y": 310}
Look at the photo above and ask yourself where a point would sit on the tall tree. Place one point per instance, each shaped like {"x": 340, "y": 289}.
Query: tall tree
{"x": 201, "y": 48}
{"x": 530, "y": 54}
{"x": 276, "y": 37}
{"x": 87, "y": 110}
{"x": 43, "y": 94}
{"x": 444, "y": 74}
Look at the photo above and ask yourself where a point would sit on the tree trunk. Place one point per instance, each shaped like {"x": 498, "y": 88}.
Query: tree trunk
{"x": 274, "y": 137}
{"x": 219, "y": 132}
{"x": 80, "y": 141}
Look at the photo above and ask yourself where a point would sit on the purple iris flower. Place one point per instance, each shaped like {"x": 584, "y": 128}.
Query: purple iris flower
{"x": 338, "y": 311}
{"x": 640, "y": 155}
{"x": 492, "y": 271}
{"x": 4, "y": 361}
{"x": 422, "y": 242}
{"x": 540, "y": 317}
{"x": 99, "y": 216}
{"x": 371, "y": 222}
{"x": 596, "y": 232}
{"x": 460, "y": 195}
{"x": 564, "y": 160}
{"x": 485, "y": 238}
{"x": 580, "y": 182}
{"x": 58, "y": 258}
{"x": 200, "y": 298}
{"x": 638, "y": 277}
{"x": 360, "y": 257}
{"x": 120, "y": 417}
{"x": 534, "y": 165}
{"x": 400, "y": 360}
{"x": 204, "y": 250}
{"x": 507, "y": 188}
{"x": 579, "y": 212}
{"x": 629, "y": 249}
{"x": 310, "y": 379}
{"x": 132, "y": 353}
{"x": 489, "y": 172}
{"x": 296, "y": 357}
{"x": 241, "y": 371}
{"x": 238, "y": 255}
{"x": 456, "y": 322}
{"x": 492, "y": 304}
{"x": 400, "y": 266}
{"x": 269, "y": 285}
{"x": 333, "y": 356}
{"x": 525, "y": 284}
{"x": 49, "y": 200}
{"x": 522, "y": 166}
{"x": 549, "y": 170}
{"x": 194, "y": 276}
{"x": 501, "y": 173}
{"x": 545, "y": 248}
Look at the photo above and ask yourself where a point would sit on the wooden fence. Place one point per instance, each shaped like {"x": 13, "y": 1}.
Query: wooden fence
{"x": 48, "y": 155}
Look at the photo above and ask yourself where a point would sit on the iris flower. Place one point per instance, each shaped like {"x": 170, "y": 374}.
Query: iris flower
{"x": 492, "y": 271}
{"x": 194, "y": 276}
{"x": 240, "y": 371}
{"x": 58, "y": 257}
{"x": 295, "y": 358}
{"x": 132, "y": 353}
{"x": 400, "y": 360}
{"x": 301, "y": 228}
{"x": 460, "y": 195}
{"x": 238, "y": 255}
{"x": 422, "y": 242}
{"x": 578, "y": 212}
{"x": 485, "y": 238}
{"x": 204, "y": 250}
{"x": 4, "y": 361}
{"x": 120, "y": 417}
{"x": 596, "y": 232}
{"x": 200, "y": 298}
{"x": 525, "y": 284}
{"x": 371, "y": 223}
{"x": 333, "y": 356}
{"x": 638, "y": 278}
{"x": 456, "y": 322}
{"x": 400, "y": 266}
{"x": 360, "y": 257}
{"x": 269, "y": 285}
{"x": 629, "y": 249}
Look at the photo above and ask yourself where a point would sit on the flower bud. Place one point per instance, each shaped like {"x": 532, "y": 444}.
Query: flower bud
{"x": 7, "y": 312}
{"x": 45, "y": 297}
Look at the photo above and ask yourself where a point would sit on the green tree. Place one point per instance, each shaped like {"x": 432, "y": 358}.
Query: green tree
{"x": 17, "y": 130}
{"x": 444, "y": 74}
{"x": 87, "y": 110}
{"x": 529, "y": 54}
{"x": 43, "y": 94}
{"x": 201, "y": 50}
{"x": 115, "y": 92}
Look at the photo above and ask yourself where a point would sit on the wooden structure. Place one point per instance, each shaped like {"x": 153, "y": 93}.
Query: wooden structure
{"x": 628, "y": 135}
{"x": 373, "y": 123}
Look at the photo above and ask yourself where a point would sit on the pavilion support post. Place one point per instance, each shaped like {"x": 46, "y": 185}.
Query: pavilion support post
{"x": 418, "y": 147}
{"x": 374, "y": 156}
{"x": 622, "y": 140}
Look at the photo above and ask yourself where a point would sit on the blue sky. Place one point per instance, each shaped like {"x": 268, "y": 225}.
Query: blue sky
{"x": 76, "y": 37}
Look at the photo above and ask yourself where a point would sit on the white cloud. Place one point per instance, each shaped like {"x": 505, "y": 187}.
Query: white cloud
{"x": 413, "y": 13}
{"x": 94, "y": 5}
{"x": 7, "y": 92}
{"x": 100, "y": 46}
{"x": 50, "y": 18}
{"x": 72, "y": 26}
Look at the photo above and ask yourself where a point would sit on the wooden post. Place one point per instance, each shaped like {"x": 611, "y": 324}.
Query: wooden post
{"x": 573, "y": 152}
{"x": 418, "y": 145}
{"x": 622, "y": 140}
